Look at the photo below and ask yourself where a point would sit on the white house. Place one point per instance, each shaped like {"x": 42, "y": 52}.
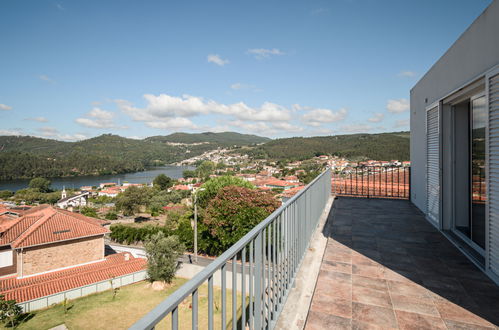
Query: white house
{"x": 455, "y": 142}
{"x": 73, "y": 201}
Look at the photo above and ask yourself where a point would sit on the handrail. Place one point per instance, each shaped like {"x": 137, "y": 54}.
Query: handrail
{"x": 279, "y": 247}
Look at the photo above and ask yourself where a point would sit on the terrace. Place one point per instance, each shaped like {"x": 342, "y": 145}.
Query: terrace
{"x": 382, "y": 265}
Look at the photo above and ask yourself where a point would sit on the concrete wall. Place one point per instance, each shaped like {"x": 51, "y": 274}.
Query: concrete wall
{"x": 47, "y": 301}
{"x": 43, "y": 258}
{"x": 476, "y": 51}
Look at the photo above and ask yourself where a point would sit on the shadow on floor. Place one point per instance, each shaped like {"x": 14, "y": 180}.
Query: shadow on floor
{"x": 386, "y": 266}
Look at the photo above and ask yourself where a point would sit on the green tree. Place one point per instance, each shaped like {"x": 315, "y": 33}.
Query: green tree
{"x": 234, "y": 212}
{"x": 4, "y": 194}
{"x": 41, "y": 184}
{"x": 189, "y": 174}
{"x": 130, "y": 201}
{"x": 111, "y": 215}
{"x": 213, "y": 186}
{"x": 162, "y": 256}
{"x": 205, "y": 169}
{"x": 89, "y": 211}
{"x": 9, "y": 311}
{"x": 163, "y": 182}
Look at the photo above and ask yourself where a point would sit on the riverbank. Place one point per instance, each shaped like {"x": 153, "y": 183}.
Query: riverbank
{"x": 75, "y": 182}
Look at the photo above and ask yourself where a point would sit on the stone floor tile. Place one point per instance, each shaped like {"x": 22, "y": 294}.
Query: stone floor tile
{"x": 451, "y": 311}
{"x": 375, "y": 315}
{"x": 337, "y": 266}
{"x": 455, "y": 325}
{"x": 414, "y": 305}
{"x": 367, "y": 270}
{"x": 407, "y": 289}
{"x": 321, "y": 321}
{"x": 334, "y": 306}
{"x": 371, "y": 296}
{"x": 369, "y": 282}
{"x": 413, "y": 321}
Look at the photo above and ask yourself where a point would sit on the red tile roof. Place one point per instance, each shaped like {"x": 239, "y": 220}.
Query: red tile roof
{"x": 48, "y": 225}
{"x": 30, "y": 288}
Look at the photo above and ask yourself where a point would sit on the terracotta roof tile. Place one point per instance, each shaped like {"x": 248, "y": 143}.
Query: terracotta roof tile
{"x": 48, "y": 225}
{"x": 30, "y": 288}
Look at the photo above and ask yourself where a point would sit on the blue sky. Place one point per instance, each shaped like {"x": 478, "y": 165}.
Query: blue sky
{"x": 77, "y": 69}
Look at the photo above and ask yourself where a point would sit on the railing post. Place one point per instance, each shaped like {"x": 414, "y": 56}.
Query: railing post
{"x": 258, "y": 282}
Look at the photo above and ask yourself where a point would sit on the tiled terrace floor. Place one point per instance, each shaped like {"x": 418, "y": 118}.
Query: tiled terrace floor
{"x": 386, "y": 267}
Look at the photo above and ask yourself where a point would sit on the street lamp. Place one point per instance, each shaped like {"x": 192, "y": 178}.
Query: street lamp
{"x": 196, "y": 224}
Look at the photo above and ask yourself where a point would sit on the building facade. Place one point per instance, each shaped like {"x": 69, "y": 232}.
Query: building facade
{"x": 455, "y": 142}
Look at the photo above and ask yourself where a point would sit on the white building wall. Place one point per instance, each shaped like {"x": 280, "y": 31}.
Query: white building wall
{"x": 475, "y": 52}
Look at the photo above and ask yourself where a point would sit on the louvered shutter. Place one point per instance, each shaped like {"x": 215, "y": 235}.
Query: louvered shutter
{"x": 493, "y": 174}
{"x": 433, "y": 164}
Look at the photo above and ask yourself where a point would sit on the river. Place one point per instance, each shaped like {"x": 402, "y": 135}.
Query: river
{"x": 146, "y": 176}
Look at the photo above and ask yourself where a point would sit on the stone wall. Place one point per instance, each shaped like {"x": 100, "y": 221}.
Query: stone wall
{"x": 48, "y": 257}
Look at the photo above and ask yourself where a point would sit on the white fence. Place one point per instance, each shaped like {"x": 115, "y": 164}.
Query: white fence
{"x": 47, "y": 301}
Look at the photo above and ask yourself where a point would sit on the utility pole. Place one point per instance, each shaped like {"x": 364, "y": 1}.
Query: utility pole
{"x": 195, "y": 228}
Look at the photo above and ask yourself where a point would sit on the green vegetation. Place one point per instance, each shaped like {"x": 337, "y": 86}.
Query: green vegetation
{"x": 214, "y": 185}
{"x": 228, "y": 208}
{"x": 221, "y": 139}
{"x": 163, "y": 182}
{"x": 42, "y": 184}
{"x": 234, "y": 212}
{"x": 101, "y": 311}
{"x": 163, "y": 253}
{"x": 10, "y": 312}
{"x": 130, "y": 201}
{"x": 384, "y": 146}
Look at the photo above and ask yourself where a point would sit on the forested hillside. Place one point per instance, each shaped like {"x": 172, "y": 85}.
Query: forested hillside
{"x": 224, "y": 138}
{"x": 27, "y": 157}
{"x": 384, "y": 146}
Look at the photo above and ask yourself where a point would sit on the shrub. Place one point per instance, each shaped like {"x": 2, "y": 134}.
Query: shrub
{"x": 162, "y": 257}
{"x": 213, "y": 186}
{"x": 234, "y": 212}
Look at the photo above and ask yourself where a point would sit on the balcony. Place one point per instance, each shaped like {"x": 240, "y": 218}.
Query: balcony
{"x": 386, "y": 267}
{"x": 362, "y": 263}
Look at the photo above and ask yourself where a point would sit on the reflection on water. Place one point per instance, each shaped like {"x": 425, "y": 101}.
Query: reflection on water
{"x": 146, "y": 176}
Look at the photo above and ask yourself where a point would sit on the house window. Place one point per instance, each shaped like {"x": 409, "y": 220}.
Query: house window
{"x": 6, "y": 259}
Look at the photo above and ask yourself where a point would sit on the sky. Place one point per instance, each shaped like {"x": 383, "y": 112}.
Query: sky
{"x": 71, "y": 70}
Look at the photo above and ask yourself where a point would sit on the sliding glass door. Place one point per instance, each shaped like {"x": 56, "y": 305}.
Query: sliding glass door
{"x": 477, "y": 167}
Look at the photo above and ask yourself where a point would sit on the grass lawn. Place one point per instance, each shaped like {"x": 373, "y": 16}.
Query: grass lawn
{"x": 100, "y": 311}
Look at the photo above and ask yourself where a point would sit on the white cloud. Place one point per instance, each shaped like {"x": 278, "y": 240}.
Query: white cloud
{"x": 322, "y": 131}
{"x": 172, "y": 123}
{"x": 317, "y": 117}
{"x": 13, "y": 132}
{"x": 37, "y": 119}
{"x": 376, "y": 118}
{"x": 287, "y": 127}
{"x": 402, "y": 123}
{"x": 397, "y": 106}
{"x": 356, "y": 128}
{"x": 98, "y": 118}
{"x": 53, "y": 133}
{"x": 261, "y": 53}
{"x": 165, "y": 106}
{"x": 216, "y": 59}
{"x": 46, "y": 78}
{"x": 407, "y": 74}
{"x": 5, "y": 107}
{"x": 266, "y": 129}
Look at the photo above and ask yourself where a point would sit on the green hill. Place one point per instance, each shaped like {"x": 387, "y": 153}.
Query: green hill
{"x": 27, "y": 156}
{"x": 383, "y": 146}
{"x": 224, "y": 138}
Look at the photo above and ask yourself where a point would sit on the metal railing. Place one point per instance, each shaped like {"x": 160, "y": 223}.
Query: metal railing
{"x": 263, "y": 266}
{"x": 372, "y": 182}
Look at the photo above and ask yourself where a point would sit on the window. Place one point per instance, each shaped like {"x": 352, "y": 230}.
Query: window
{"x": 6, "y": 259}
